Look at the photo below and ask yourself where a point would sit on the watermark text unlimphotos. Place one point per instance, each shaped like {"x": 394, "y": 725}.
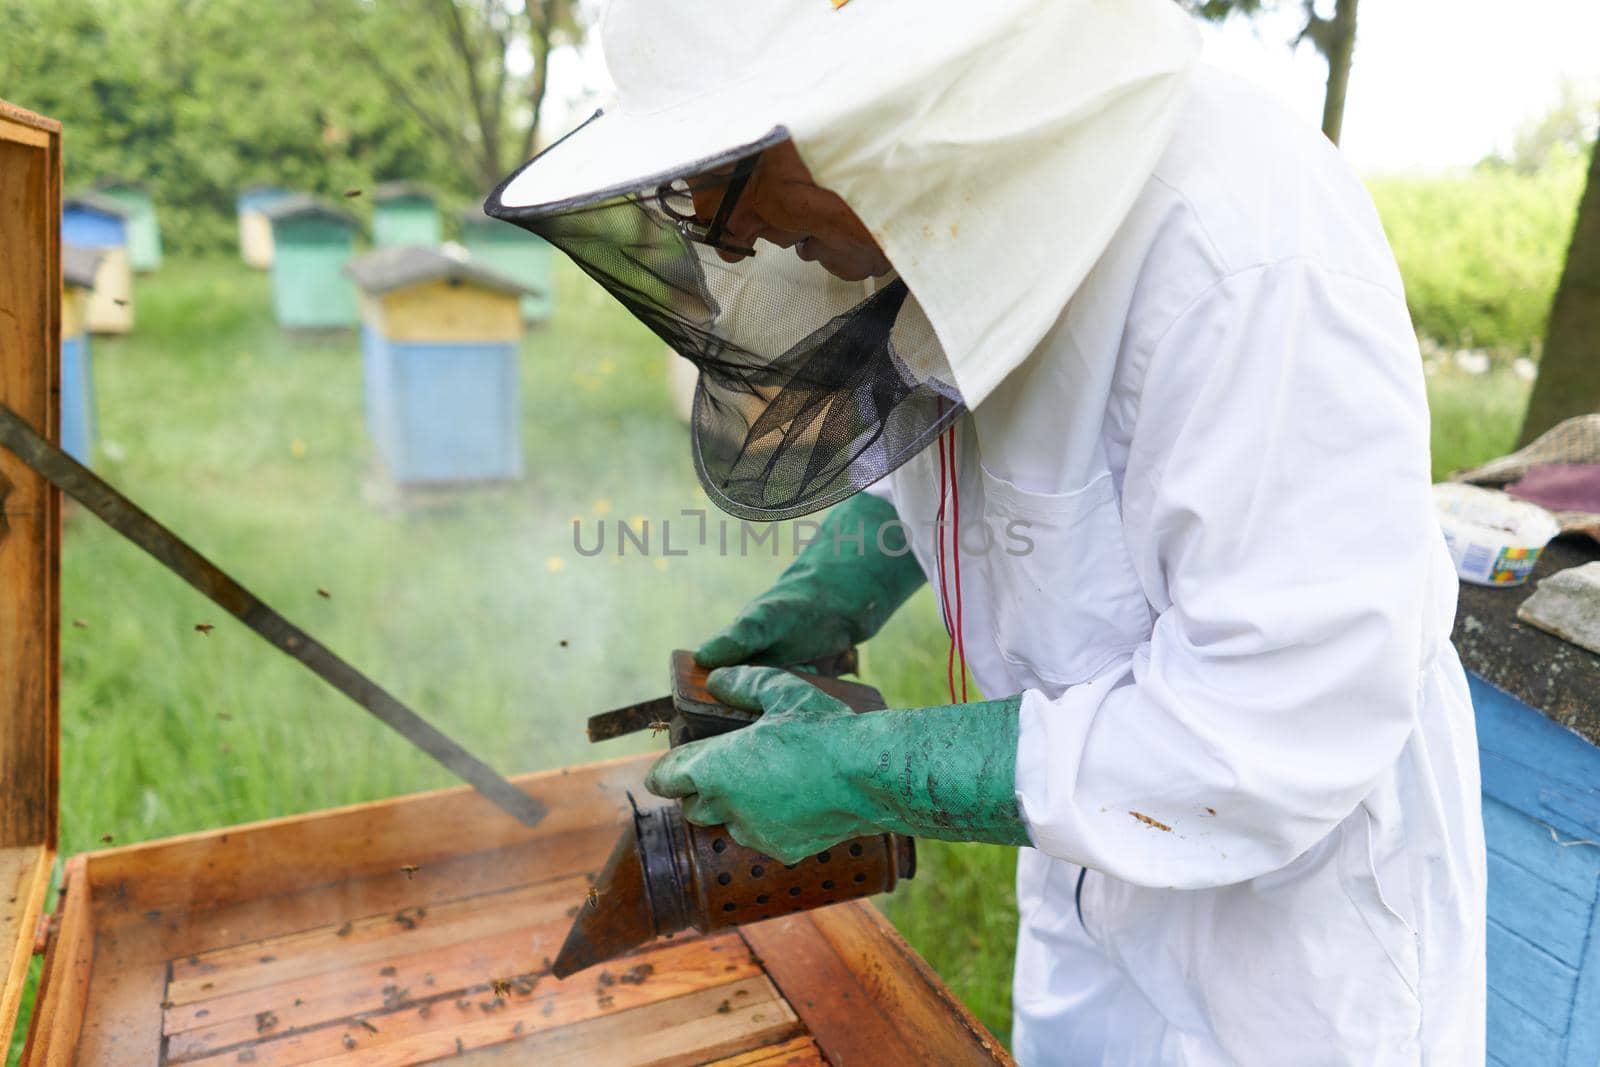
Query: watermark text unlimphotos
{"x": 693, "y": 530}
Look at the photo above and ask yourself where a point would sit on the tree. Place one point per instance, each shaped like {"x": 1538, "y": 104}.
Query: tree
{"x": 1569, "y": 371}
{"x": 1334, "y": 36}
{"x": 452, "y": 63}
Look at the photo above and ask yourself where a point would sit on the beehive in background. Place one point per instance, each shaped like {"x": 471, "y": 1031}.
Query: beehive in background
{"x": 439, "y": 338}
{"x": 95, "y": 221}
{"x": 404, "y": 213}
{"x": 255, "y": 232}
{"x": 311, "y": 243}
{"x": 78, "y": 267}
{"x": 516, "y": 253}
{"x": 144, "y": 228}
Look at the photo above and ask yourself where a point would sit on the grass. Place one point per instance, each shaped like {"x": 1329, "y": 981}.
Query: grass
{"x": 481, "y": 614}
{"x": 1475, "y": 417}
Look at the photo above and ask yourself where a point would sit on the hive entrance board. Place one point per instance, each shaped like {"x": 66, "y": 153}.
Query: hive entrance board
{"x": 312, "y": 939}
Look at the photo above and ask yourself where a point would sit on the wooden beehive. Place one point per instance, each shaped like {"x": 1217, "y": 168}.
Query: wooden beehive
{"x": 78, "y": 269}
{"x": 516, "y": 253}
{"x": 255, "y": 230}
{"x": 404, "y": 213}
{"x": 403, "y": 931}
{"x": 91, "y": 220}
{"x": 144, "y": 227}
{"x": 1538, "y": 728}
{"x": 311, "y": 242}
{"x": 439, "y": 343}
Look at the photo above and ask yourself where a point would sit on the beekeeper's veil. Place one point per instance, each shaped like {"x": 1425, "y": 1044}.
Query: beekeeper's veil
{"x": 992, "y": 147}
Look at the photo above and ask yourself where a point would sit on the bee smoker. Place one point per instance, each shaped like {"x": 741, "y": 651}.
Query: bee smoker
{"x": 666, "y": 874}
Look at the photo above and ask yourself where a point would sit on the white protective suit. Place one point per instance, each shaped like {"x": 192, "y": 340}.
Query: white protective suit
{"x": 1247, "y": 759}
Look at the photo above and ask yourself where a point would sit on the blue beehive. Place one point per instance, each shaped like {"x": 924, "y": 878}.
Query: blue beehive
{"x": 439, "y": 339}
{"x": 144, "y": 227}
{"x": 1541, "y": 816}
{"x": 78, "y": 267}
{"x": 95, "y": 221}
{"x": 311, "y": 243}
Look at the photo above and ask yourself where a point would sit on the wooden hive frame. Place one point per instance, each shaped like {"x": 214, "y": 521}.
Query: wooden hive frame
{"x": 378, "y": 933}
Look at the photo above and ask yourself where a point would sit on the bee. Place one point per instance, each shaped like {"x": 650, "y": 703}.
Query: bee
{"x": 324, "y": 594}
{"x": 223, "y": 716}
{"x": 501, "y": 987}
{"x": 80, "y": 624}
{"x": 660, "y": 726}
{"x": 203, "y": 627}
{"x": 351, "y": 194}
{"x": 119, "y": 301}
{"x": 410, "y": 870}
{"x": 592, "y": 898}
{"x": 106, "y": 839}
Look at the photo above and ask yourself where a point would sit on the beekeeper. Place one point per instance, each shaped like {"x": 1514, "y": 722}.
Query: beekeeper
{"x": 1118, "y": 348}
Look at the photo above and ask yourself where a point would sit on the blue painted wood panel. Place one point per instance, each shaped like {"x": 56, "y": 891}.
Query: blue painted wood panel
{"x": 1541, "y": 804}
{"x": 77, "y": 398}
{"x": 1539, "y": 911}
{"x": 445, "y": 412}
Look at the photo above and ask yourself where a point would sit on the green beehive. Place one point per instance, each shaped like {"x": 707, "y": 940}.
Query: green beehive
{"x": 311, "y": 241}
{"x": 517, "y": 254}
{"x": 144, "y": 231}
{"x": 404, "y": 214}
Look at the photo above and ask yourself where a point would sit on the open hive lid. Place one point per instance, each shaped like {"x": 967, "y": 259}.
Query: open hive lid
{"x": 30, "y": 539}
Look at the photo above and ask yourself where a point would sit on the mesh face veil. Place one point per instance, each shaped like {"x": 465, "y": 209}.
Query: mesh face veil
{"x": 811, "y": 388}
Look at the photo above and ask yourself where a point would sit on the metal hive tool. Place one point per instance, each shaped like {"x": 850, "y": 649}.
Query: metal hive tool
{"x": 666, "y": 875}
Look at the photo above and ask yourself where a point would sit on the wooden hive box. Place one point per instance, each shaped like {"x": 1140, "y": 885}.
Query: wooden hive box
{"x": 311, "y": 242}
{"x": 516, "y": 253}
{"x": 404, "y": 213}
{"x": 144, "y": 228}
{"x": 1537, "y": 726}
{"x": 439, "y": 344}
{"x": 91, "y": 220}
{"x": 374, "y": 934}
{"x": 78, "y": 268}
{"x": 255, "y": 230}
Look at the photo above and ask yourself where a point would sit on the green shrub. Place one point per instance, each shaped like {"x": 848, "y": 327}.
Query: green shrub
{"x": 1481, "y": 251}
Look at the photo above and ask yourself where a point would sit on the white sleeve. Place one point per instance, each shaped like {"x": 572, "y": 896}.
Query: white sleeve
{"x": 1281, "y": 459}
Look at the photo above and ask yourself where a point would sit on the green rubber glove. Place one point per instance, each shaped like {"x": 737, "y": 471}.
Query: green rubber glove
{"x": 811, "y": 773}
{"x": 837, "y": 593}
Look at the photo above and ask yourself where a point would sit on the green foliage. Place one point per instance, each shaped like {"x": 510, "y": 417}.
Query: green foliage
{"x": 200, "y": 99}
{"x": 1481, "y": 251}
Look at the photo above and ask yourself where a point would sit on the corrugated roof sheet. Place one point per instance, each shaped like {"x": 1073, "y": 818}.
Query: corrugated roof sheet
{"x": 78, "y": 265}
{"x": 389, "y": 269}
{"x": 89, "y": 200}
{"x": 301, "y": 204}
